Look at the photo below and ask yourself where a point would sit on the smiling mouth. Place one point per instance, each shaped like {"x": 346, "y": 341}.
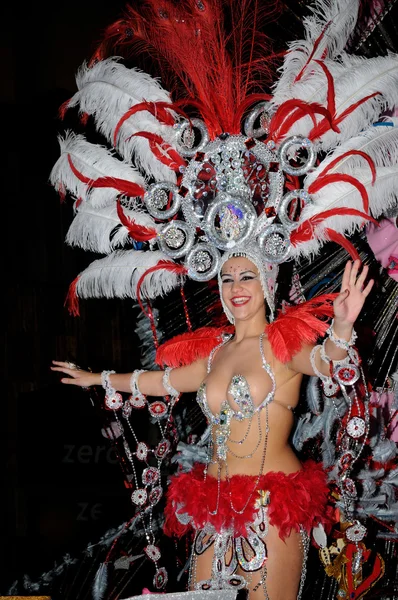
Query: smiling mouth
{"x": 240, "y": 300}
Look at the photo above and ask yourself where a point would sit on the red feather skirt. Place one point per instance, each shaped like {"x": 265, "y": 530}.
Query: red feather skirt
{"x": 297, "y": 499}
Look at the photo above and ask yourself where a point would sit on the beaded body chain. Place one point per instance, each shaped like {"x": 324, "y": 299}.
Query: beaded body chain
{"x": 220, "y": 425}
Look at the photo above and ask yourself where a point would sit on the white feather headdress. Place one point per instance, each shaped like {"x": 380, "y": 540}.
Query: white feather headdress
{"x": 168, "y": 193}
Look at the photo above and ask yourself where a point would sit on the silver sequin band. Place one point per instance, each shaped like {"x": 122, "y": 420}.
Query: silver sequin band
{"x": 135, "y": 390}
{"x": 171, "y": 391}
{"x": 340, "y": 342}
{"x": 106, "y": 384}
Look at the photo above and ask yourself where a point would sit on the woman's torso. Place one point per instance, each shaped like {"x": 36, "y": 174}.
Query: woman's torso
{"x": 248, "y": 378}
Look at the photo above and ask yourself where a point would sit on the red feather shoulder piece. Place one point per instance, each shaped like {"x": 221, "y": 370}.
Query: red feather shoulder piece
{"x": 295, "y": 326}
{"x": 185, "y": 348}
{"x": 298, "y": 325}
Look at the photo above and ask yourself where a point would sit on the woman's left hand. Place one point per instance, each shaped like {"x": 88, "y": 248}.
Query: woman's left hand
{"x": 352, "y": 296}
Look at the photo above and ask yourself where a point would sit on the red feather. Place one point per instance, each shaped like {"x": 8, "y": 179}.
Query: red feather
{"x": 289, "y": 112}
{"x": 296, "y": 499}
{"x": 163, "y": 151}
{"x": 338, "y": 159}
{"x": 185, "y": 348}
{"x": 200, "y": 59}
{"x": 137, "y": 232}
{"x": 324, "y": 180}
{"x": 298, "y": 325}
{"x": 325, "y": 125}
{"x": 314, "y": 48}
{"x": 125, "y": 187}
{"x": 338, "y": 238}
{"x": 72, "y": 299}
{"x": 158, "y": 109}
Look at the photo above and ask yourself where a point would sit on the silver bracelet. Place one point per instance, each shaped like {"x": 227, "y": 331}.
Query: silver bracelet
{"x": 171, "y": 391}
{"x": 335, "y": 363}
{"x": 340, "y": 342}
{"x": 113, "y": 400}
{"x": 329, "y": 386}
{"x": 135, "y": 390}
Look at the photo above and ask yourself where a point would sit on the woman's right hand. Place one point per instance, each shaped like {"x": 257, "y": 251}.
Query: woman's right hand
{"x": 76, "y": 376}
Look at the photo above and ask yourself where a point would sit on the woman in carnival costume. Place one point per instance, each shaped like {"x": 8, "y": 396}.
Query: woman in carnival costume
{"x": 253, "y": 504}
{"x": 218, "y": 179}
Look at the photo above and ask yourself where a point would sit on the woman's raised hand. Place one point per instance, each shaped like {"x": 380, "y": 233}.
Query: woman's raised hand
{"x": 352, "y": 296}
{"x": 76, "y": 376}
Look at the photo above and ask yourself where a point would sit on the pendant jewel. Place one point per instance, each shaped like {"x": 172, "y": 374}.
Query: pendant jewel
{"x": 356, "y": 427}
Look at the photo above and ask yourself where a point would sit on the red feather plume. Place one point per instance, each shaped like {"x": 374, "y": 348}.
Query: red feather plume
{"x": 185, "y": 348}
{"x": 216, "y": 68}
{"x": 298, "y": 325}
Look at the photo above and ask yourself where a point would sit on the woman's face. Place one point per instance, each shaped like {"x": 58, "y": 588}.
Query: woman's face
{"x": 241, "y": 288}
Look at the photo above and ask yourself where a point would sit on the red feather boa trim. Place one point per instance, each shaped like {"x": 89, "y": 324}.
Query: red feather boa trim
{"x": 295, "y": 499}
{"x": 295, "y": 326}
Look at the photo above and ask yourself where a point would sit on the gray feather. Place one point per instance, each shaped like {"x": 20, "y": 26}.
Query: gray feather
{"x": 100, "y": 582}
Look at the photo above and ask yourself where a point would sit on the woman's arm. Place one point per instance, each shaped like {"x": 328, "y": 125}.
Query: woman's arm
{"x": 183, "y": 379}
{"x": 347, "y": 307}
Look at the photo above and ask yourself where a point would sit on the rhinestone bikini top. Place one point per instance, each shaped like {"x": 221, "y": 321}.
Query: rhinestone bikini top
{"x": 239, "y": 390}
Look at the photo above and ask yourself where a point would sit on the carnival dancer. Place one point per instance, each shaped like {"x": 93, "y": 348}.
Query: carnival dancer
{"x": 217, "y": 178}
{"x": 254, "y": 504}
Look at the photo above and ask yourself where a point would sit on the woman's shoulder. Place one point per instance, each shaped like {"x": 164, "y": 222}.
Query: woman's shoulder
{"x": 186, "y": 348}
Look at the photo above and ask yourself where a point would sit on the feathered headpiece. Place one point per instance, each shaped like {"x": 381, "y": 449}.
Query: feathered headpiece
{"x": 226, "y": 159}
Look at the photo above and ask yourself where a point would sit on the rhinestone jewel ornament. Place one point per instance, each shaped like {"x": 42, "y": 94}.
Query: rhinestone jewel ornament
{"x": 356, "y": 427}
{"x": 150, "y": 475}
{"x": 137, "y": 401}
{"x": 160, "y": 579}
{"x": 349, "y": 487}
{"x": 346, "y": 460}
{"x": 158, "y": 409}
{"x": 113, "y": 402}
{"x": 152, "y": 552}
{"x": 155, "y": 495}
{"x": 347, "y": 374}
{"x": 127, "y": 409}
{"x": 162, "y": 448}
{"x": 356, "y": 532}
{"x": 139, "y": 497}
{"x": 142, "y": 451}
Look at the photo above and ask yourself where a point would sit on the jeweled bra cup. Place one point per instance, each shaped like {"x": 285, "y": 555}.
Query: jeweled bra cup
{"x": 239, "y": 390}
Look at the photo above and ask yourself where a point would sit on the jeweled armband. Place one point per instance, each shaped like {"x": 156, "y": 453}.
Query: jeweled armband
{"x": 113, "y": 400}
{"x": 340, "y": 342}
{"x": 171, "y": 391}
{"x": 329, "y": 386}
{"x": 137, "y": 398}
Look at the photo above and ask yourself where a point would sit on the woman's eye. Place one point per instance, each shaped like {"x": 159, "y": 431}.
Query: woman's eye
{"x": 247, "y": 278}
{"x": 226, "y": 280}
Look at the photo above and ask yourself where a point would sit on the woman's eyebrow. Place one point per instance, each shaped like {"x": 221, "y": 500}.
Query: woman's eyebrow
{"x": 241, "y": 273}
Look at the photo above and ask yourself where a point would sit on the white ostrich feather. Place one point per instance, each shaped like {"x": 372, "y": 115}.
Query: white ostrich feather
{"x": 354, "y": 80}
{"x": 117, "y": 275}
{"x": 342, "y": 16}
{"x": 93, "y": 161}
{"x": 107, "y": 90}
{"x": 100, "y": 230}
{"x": 379, "y": 142}
{"x": 382, "y": 196}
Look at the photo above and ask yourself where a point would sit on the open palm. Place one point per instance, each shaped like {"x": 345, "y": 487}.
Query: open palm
{"x": 352, "y": 296}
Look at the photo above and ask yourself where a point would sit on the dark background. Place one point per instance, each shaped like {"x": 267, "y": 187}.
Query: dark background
{"x": 61, "y": 484}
